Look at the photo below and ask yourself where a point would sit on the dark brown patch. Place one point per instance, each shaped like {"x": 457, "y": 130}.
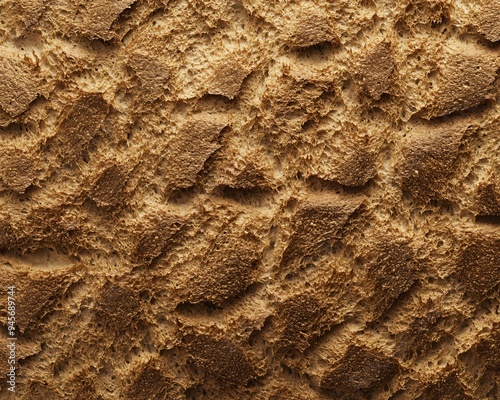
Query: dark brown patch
{"x": 393, "y": 271}
{"x": 116, "y": 307}
{"x": 152, "y": 74}
{"x": 319, "y": 219}
{"x": 429, "y": 163}
{"x": 219, "y": 360}
{"x": 7, "y": 235}
{"x": 488, "y": 22}
{"x": 108, "y": 190}
{"x": 227, "y": 79}
{"x": 488, "y": 202}
{"x": 448, "y": 388}
{"x": 17, "y": 169}
{"x": 466, "y": 81}
{"x": 152, "y": 384}
{"x": 96, "y": 17}
{"x": 39, "y": 390}
{"x": 312, "y": 29}
{"x": 37, "y": 293}
{"x": 357, "y": 169}
{"x": 286, "y": 393}
{"x": 478, "y": 268}
{"x": 228, "y": 268}
{"x": 298, "y": 321}
{"x": 488, "y": 349}
{"x": 376, "y": 70}
{"x": 250, "y": 177}
{"x": 18, "y": 85}
{"x": 155, "y": 237}
{"x": 84, "y": 387}
{"x": 186, "y": 155}
{"x": 79, "y": 125}
{"x": 425, "y": 332}
{"x": 422, "y": 330}
{"x": 359, "y": 371}
{"x": 37, "y": 300}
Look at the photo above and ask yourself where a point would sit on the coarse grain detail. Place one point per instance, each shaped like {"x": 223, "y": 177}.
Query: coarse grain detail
{"x": 219, "y": 360}
{"x": 359, "y": 371}
{"x": 318, "y": 220}
{"x": 250, "y": 199}
{"x": 19, "y": 83}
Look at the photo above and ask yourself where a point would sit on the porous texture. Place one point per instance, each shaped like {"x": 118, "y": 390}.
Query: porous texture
{"x": 251, "y": 199}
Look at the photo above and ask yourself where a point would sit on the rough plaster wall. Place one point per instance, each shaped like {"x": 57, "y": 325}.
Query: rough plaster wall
{"x": 251, "y": 199}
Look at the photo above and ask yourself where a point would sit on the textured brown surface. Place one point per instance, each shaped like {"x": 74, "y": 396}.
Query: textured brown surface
{"x": 251, "y": 199}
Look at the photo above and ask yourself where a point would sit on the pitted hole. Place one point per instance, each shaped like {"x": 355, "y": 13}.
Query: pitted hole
{"x": 308, "y": 125}
{"x": 432, "y": 75}
{"x": 316, "y": 51}
{"x": 145, "y": 295}
{"x": 488, "y": 219}
{"x": 442, "y": 362}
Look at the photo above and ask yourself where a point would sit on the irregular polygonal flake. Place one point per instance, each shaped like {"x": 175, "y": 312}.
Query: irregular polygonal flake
{"x": 487, "y": 20}
{"x": 319, "y": 219}
{"x": 227, "y": 79}
{"x": 152, "y": 383}
{"x": 298, "y": 320}
{"x": 155, "y": 236}
{"x": 465, "y": 81}
{"x": 190, "y": 149}
{"x": 219, "y": 360}
{"x": 376, "y": 71}
{"x": 359, "y": 371}
{"x": 152, "y": 73}
{"x": 311, "y": 29}
{"x": 18, "y": 84}
{"x": 79, "y": 125}
{"x": 116, "y": 306}
{"x": 108, "y": 190}
{"x": 96, "y": 17}
{"x": 429, "y": 161}
{"x": 393, "y": 271}
{"x": 446, "y": 388}
{"x": 17, "y": 169}
{"x": 479, "y": 265}
{"x": 229, "y": 267}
